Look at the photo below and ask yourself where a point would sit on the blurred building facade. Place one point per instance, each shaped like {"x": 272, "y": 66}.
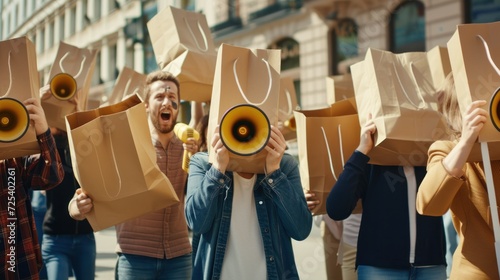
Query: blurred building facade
{"x": 318, "y": 38}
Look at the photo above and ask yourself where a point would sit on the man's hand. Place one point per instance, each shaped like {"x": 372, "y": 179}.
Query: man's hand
{"x": 37, "y": 115}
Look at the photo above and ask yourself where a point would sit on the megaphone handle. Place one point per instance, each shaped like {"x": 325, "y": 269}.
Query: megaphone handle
{"x": 185, "y": 161}
{"x": 10, "y": 77}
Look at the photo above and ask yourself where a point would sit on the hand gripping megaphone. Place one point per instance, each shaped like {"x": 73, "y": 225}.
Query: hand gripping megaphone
{"x": 245, "y": 130}
{"x": 14, "y": 119}
{"x": 63, "y": 86}
{"x": 183, "y": 132}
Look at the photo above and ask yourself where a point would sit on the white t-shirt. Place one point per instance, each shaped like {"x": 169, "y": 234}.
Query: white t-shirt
{"x": 244, "y": 257}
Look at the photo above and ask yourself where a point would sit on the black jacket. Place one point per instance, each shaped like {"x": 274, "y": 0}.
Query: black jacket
{"x": 57, "y": 219}
{"x": 384, "y": 236}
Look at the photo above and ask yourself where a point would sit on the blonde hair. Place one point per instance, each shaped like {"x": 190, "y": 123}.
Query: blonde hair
{"x": 448, "y": 106}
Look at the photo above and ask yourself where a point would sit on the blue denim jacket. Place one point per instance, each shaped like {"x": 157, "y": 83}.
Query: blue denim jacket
{"x": 281, "y": 210}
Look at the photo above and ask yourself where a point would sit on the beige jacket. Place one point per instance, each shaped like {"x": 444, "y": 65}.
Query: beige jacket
{"x": 467, "y": 198}
{"x": 163, "y": 233}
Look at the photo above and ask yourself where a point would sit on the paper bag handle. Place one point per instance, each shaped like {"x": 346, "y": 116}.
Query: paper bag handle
{"x": 127, "y": 87}
{"x": 330, "y": 154}
{"x": 115, "y": 165}
{"x": 488, "y": 54}
{"x": 241, "y": 90}
{"x": 81, "y": 64}
{"x": 10, "y": 77}
{"x": 404, "y": 90}
{"x": 289, "y": 102}
{"x": 205, "y": 41}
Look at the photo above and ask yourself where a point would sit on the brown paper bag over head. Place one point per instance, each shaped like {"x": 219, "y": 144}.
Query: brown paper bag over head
{"x": 338, "y": 88}
{"x": 70, "y": 79}
{"x": 18, "y": 82}
{"x": 115, "y": 163}
{"x": 245, "y": 77}
{"x": 183, "y": 46}
{"x": 475, "y": 60}
{"x": 326, "y": 138}
{"x": 397, "y": 91}
{"x": 128, "y": 83}
{"x": 439, "y": 63}
{"x": 287, "y": 104}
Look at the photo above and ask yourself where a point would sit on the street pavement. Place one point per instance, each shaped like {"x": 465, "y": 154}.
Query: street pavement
{"x": 309, "y": 255}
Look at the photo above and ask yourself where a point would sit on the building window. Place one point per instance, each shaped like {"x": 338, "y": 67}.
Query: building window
{"x": 97, "y": 10}
{"x": 290, "y": 59}
{"x": 96, "y": 79}
{"x": 188, "y": 5}
{"x": 233, "y": 8}
{"x": 61, "y": 26}
{"x": 290, "y": 53}
{"x": 345, "y": 43}
{"x": 72, "y": 25}
{"x": 50, "y": 33}
{"x": 407, "y": 27}
{"x": 482, "y": 11}
{"x": 150, "y": 9}
{"x": 41, "y": 41}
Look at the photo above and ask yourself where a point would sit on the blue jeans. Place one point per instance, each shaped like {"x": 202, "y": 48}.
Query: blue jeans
{"x": 135, "y": 267}
{"x": 437, "y": 272}
{"x": 61, "y": 252}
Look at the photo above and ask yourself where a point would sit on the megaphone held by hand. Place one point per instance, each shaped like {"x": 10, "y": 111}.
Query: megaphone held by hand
{"x": 14, "y": 120}
{"x": 245, "y": 129}
{"x": 184, "y": 132}
{"x": 63, "y": 86}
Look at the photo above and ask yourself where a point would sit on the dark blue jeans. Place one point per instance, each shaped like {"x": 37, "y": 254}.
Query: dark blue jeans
{"x": 135, "y": 267}
{"x": 61, "y": 252}
{"x": 437, "y": 272}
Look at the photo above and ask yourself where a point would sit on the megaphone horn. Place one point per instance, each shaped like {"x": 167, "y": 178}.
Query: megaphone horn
{"x": 495, "y": 109}
{"x": 63, "y": 86}
{"x": 14, "y": 120}
{"x": 245, "y": 129}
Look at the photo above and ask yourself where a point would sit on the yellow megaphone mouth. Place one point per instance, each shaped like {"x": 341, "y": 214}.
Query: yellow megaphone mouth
{"x": 14, "y": 120}
{"x": 63, "y": 86}
{"x": 495, "y": 109}
{"x": 245, "y": 130}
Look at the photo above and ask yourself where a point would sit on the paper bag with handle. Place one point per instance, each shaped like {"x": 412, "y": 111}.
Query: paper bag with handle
{"x": 70, "y": 78}
{"x": 397, "y": 91}
{"x": 439, "y": 63}
{"x": 115, "y": 163}
{"x": 475, "y": 64}
{"x": 18, "y": 82}
{"x": 326, "y": 138}
{"x": 338, "y": 88}
{"x": 128, "y": 83}
{"x": 245, "y": 76}
{"x": 183, "y": 46}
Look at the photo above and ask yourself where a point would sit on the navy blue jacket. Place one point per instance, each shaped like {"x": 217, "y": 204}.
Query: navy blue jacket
{"x": 384, "y": 236}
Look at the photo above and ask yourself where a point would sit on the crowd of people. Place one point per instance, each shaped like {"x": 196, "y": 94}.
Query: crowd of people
{"x": 243, "y": 223}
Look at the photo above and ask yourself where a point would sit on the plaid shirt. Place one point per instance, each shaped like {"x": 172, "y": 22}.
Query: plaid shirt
{"x": 20, "y": 255}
